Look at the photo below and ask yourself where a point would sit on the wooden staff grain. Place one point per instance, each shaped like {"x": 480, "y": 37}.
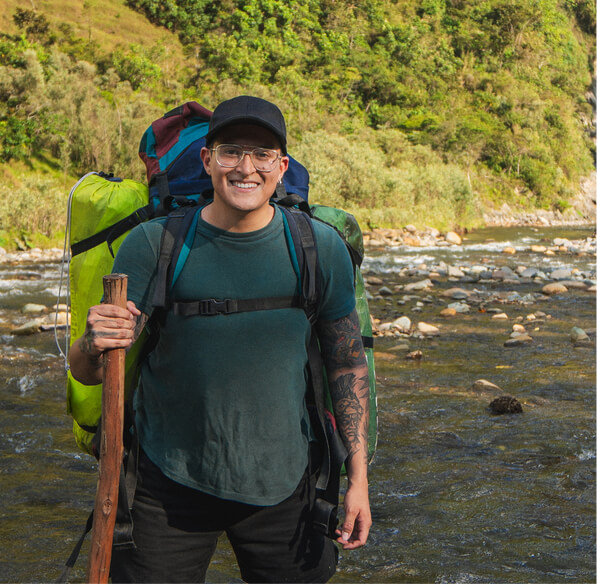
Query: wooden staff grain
{"x": 106, "y": 499}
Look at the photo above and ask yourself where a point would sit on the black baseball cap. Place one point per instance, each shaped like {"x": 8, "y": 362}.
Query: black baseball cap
{"x": 246, "y": 109}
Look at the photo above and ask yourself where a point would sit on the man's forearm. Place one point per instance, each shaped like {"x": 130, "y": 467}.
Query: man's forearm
{"x": 350, "y": 398}
{"x": 348, "y": 378}
{"x": 108, "y": 327}
{"x": 85, "y": 367}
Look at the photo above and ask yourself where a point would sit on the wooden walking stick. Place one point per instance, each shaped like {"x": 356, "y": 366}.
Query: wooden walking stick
{"x": 106, "y": 499}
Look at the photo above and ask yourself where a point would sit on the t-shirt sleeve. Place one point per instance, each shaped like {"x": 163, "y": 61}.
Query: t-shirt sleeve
{"x": 336, "y": 274}
{"x": 137, "y": 257}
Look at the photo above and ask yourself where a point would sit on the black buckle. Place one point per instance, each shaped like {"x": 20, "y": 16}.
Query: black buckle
{"x": 211, "y": 307}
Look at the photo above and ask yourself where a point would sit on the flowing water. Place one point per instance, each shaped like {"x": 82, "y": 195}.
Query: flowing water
{"x": 458, "y": 495}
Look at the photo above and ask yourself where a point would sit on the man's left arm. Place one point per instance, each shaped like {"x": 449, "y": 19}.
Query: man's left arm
{"x": 348, "y": 378}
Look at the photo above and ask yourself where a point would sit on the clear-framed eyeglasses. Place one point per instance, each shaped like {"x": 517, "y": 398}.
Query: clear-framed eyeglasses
{"x": 230, "y": 155}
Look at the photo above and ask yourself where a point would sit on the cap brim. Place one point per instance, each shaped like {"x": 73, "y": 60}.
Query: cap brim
{"x": 247, "y": 120}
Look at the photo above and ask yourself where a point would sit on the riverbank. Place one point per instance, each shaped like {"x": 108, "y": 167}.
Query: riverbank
{"x": 582, "y": 210}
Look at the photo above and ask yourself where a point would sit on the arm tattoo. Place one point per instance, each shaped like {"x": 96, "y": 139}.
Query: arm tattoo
{"x": 352, "y": 416}
{"x": 348, "y": 377}
{"x": 341, "y": 342}
{"x": 87, "y": 348}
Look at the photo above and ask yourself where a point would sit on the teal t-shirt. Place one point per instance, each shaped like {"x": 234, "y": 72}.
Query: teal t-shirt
{"x": 221, "y": 400}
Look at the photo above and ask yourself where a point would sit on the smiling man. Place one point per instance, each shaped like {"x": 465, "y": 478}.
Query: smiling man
{"x": 225, "y": 435}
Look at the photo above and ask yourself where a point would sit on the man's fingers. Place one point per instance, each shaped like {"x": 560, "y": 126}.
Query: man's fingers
{"x": 109, "y": 327}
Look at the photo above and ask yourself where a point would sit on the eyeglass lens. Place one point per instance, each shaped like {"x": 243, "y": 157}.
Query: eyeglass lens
{"x": 229, "y": 156}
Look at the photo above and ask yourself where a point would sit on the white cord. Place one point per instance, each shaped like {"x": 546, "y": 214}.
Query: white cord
{"x": 65, "y": 270}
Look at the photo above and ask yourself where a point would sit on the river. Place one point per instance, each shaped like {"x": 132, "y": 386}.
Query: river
{"x": 458, "y": 495}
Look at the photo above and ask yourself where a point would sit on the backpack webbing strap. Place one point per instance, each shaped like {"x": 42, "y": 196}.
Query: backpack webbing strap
{"x": 367, "y": 342}
{"x": 123, "y": 528}
{"x": 303, "y": 238}
{"x": 325, "y": 508}
{"x": 113, "y": 232}
{"x": 287, "y": 200}
{"x": 213, "y": 306}
{"x": 76, "y": 551}
{"x": 173, "y": 237}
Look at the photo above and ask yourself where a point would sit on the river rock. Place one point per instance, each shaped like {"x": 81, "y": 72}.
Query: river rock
{"x": 374, "y": 281}
{"x": 529, "y": 273}
{"x": 504, "y": 273}
{"x": 578, "y": 335}
{"x": 538, "y": 248}
{"x": 32, "y": 308}
{"x": 29, "y": 328}
{"x": 421, "y": 285}
{"x": 460, "y": 307}
{"x": 411, "y": 240}
{"x": 483, "y": 385}
{"x": 402, "y": 323}
{"x": 60, "y": 319}
{"x": 456, "y": 293}
{"x": 521, "y": 339}
{"x": 561, "y": 274}
{"x": 404, "y": 346}
{"x": 505, "y": 404}
{"x": 384, "y": 291}
{"x": 519, "y": 328}
{"x": 415, "y": 355}
{"x": 453, "y": 238}
{"x": 499, "y": 316}
{"x": 427, "y": 330}
{"x": 554, "y": 288}
{"x": 509, "y": 250}
{"x": 578, "y": 284}
{"x": 455, "y": 272}
{"x": 448, "y": 312}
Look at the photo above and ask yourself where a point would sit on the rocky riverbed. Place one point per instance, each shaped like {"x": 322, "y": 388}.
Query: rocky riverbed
{"x": 485, "y": 287}
{"x": 456, "y": 288}
{"x": 463, "y": 331}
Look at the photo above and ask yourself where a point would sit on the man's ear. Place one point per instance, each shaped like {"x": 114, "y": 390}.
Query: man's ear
{"x": 205, "y": 154}
{"x": 284, "y": 160}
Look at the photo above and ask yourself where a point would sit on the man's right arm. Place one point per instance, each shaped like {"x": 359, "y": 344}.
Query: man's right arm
{"x": 108, "y": 327}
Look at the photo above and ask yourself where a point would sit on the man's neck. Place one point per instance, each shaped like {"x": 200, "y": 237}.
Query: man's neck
{"x": 237, "y": 221}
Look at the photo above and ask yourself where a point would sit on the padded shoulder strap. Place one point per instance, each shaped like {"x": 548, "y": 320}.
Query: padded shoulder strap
{"x": 173, "y": 238}
{"x": 304, "y": 247}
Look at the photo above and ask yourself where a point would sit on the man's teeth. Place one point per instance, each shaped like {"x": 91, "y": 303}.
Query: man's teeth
{"x": 244, "y": 185}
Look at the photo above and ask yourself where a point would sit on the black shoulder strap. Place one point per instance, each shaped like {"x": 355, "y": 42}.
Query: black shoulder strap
{"x": 305, "y": 248}
{"x": 173, "y": 236}
{"x": 111, "y": 233}
{"x": 334, "y": 452}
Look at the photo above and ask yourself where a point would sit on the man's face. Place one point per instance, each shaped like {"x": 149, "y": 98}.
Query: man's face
{"x": 243, "y": 187}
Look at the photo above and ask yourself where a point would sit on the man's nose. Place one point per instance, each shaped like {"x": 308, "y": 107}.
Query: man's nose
{"x": 246, "y": 163}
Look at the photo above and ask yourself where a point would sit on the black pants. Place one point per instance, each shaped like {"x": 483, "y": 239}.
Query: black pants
{"x": 176, "y": 531}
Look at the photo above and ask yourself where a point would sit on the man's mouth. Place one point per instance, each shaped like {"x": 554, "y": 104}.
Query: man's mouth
{"x": 243, "y": 185}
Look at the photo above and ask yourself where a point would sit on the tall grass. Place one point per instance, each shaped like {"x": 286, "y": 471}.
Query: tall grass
{"x": 32, "y": 211}
{"x": 385, "y": 181}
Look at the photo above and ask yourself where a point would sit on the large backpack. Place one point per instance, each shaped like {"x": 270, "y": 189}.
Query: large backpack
{"x": 103, "y": 209}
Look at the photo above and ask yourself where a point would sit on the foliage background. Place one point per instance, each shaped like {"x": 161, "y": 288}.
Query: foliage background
{"x": 404, "y": 111}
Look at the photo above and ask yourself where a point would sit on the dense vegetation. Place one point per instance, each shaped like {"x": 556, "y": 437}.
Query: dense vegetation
{"x": 403, "y": 111}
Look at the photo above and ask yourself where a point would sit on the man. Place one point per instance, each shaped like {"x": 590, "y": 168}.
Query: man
{"x": 220, "y": 408}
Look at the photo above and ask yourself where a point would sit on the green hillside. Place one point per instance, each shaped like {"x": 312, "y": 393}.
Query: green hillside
{"x": 404, "y": 111}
